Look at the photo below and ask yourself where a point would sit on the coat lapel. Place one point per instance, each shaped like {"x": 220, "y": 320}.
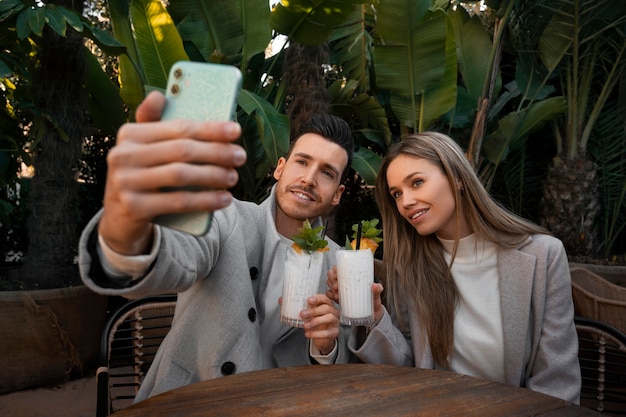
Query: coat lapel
{"x": 517, "y": 270}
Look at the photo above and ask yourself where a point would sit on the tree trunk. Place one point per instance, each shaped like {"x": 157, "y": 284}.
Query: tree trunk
{"x": 571, "y": 204}
{"x": 52, "y": 219}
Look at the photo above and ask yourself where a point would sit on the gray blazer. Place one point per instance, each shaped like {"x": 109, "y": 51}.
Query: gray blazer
{"x": 221, "y": 280}
{"x": 540, "y": 339}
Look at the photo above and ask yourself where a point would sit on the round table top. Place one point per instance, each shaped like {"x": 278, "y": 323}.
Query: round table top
{"x": 361, "y": 390}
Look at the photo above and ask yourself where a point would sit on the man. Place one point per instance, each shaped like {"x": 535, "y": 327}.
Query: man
{"x": 229, "y": 280}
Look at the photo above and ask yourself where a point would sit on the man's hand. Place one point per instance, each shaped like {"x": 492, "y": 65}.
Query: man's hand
{"x": 152, "y": 154}
{"x": 321, "y": 322}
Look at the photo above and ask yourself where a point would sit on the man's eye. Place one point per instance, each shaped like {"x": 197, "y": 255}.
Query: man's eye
{"x": 329, "y": 174}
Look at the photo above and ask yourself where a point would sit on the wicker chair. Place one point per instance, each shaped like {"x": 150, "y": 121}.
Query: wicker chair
{"x": 129, "y": 341}
{"x": 602, "y": 357}
{"x": 599, "y": 299}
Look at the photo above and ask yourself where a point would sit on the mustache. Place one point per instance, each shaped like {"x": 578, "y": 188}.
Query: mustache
{"x": 306, "y": 190}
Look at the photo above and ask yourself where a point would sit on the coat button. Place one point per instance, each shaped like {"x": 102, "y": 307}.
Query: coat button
{"x": 252, "y": 315}
{"x": 228, "y": 368}
{"x": 254, "y": 273}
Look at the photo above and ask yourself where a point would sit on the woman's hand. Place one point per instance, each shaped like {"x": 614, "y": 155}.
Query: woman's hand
{"x": 379, "y": 310}
{"x": 333, "y": 286}
{"x": 333, "y": 292}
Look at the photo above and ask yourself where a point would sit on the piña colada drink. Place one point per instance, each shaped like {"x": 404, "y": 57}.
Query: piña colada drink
{"x": 303, "y": 269}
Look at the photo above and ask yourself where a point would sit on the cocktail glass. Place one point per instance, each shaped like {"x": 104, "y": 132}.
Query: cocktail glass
{"x": 355, "y": 276}
{"x": 302, "y": 280}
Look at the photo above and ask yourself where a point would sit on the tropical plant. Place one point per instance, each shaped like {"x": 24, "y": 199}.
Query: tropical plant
{"x": 393, "y": 67}
{"x": 585, "y": 44}
{"x": 43, "y": 63}
{"x": 415, "y": 61}
{"x": 223, "y": 32}
{"x": 509, "y": 141}
{"x": 607, "y": 146}
{"x": 502, "y": 100}
{"x": 415, "y": 65}
{"x": 392, "y": 70}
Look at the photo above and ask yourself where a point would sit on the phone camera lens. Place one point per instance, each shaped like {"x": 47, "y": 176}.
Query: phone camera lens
{"x": 178, "y": 73}
{"x": 175, "y": 89}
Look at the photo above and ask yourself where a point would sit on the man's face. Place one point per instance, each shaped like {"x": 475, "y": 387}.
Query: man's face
{"x": 309, "y": 181}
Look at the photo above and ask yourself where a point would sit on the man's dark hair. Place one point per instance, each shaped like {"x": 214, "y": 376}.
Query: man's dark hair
{"x": 332, "y": 128}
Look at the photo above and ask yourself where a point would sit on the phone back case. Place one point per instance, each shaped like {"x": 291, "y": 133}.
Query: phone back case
{"x": 202, "y": 91}
{"x": 199, "y": 91}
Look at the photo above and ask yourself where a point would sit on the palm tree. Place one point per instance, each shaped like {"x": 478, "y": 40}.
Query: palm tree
{"x": 45, "y": 63}
{"x": 58, "y": 91}
{"x": 585, "y": 44}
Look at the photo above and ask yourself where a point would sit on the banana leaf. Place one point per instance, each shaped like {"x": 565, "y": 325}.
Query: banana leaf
{"x": 417, "y": 62}
{"x": 105, "y": 104}
{"x": 213, "y": 27}
{"x": 367, "y": 164}
{"x": 265, "y": 137}
{"x": 310, "y": 22}
{"x": 159, "y": 44}
{"x": 273, "y": 127}
{"x": 255, "y": 17}
{"x": 351, "y": 48}
{"x": 473, "y": 52}
{"x": 131, "y": 78}
{"x": 366, "y": 109}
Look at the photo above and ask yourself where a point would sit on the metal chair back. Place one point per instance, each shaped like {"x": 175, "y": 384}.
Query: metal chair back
{"x": 602, "y": 357}
{"x": 130, "y": 339}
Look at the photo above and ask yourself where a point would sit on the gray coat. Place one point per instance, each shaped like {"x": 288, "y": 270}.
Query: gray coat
{"x": 221, "y": 280}
{"x": 540, "y": 339}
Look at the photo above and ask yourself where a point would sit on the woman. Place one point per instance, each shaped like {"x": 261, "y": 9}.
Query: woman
{"x": 471, "y": 287}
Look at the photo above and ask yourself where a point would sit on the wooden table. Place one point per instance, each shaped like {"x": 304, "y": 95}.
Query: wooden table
{"x": 360, "y": 390}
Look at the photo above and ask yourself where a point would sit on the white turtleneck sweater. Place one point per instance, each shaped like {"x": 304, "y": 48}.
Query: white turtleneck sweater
{"x": 478, "y": 335}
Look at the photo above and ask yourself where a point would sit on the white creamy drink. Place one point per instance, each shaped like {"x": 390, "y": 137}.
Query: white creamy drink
{"x": 302, "y": 280}
{"x": 355, "y": 276}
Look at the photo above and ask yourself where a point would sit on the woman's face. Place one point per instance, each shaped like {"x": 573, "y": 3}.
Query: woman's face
{"x": 423, "y": 196}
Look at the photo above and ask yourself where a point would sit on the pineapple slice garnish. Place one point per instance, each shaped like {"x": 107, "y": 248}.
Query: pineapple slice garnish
{"x": 370, "y": 235}
{"x": 309, "y": 240}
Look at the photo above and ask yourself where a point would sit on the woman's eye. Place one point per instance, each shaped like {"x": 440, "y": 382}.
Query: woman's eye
{"x": 417, "y": 183}
{"x": 396, "y": 194}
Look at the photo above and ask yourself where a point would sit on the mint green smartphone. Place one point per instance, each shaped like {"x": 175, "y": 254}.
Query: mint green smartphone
{"x": 199, "y": 91}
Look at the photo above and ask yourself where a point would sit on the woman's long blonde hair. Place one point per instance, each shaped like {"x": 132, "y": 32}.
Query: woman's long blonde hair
{"x": 416, "y": 274}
